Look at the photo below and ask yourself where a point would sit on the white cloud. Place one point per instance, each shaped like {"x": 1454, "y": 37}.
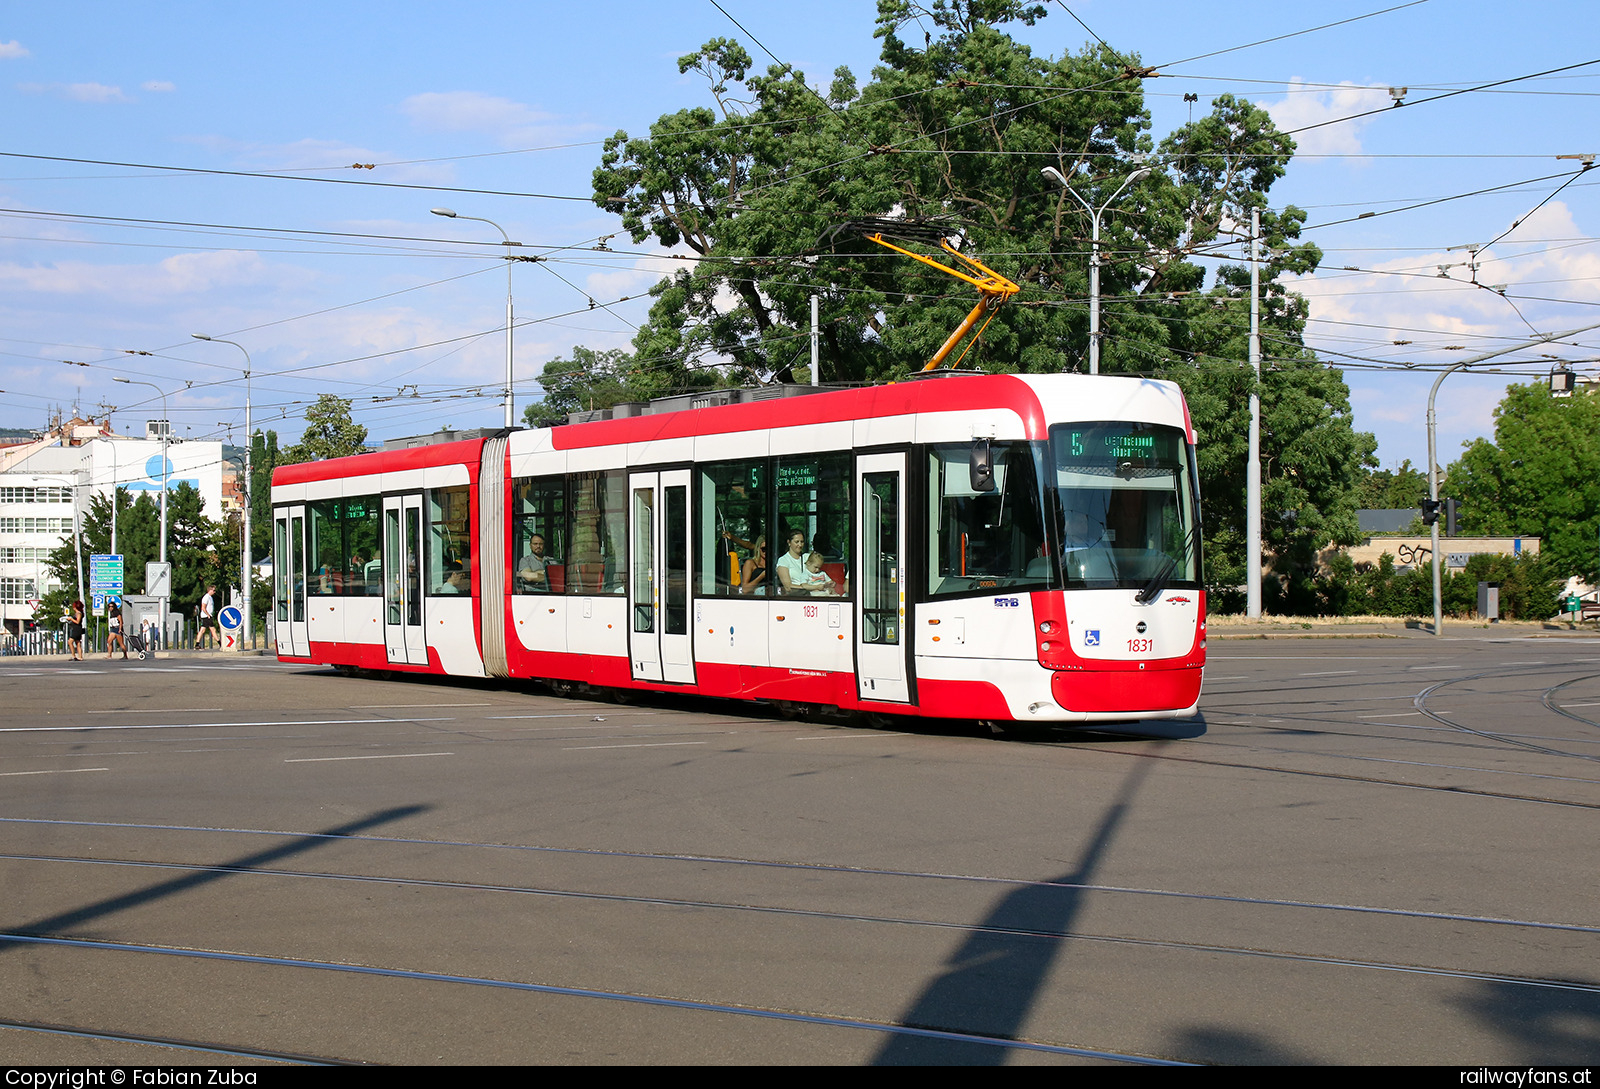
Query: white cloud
{"x": 76, "y": 92}
{"x": 633, "y": 279}
{"x": 1303, "y": 107}
{"x": 13, "y": 50}
{"x": 469, "y": 111}
{"x": 1551, "y": 271}
{"x": 94, "y": 92}
{"x": 511, "y": 123}
{"x": 158, "y": 86}
{"x": 180, "y": 274}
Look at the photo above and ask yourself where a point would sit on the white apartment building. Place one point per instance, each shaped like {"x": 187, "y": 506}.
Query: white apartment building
{"x": 43, "y": 484}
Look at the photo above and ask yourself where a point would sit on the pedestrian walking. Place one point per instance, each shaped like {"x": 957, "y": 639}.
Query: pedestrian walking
{"x": 75, "y": 630}
{"x": 114, "y": 624}
{"x": 208, "y": 619}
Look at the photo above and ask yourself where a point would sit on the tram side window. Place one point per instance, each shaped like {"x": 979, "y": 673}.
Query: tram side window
{"x": 982, "y": 541}
{"x": 362, "y": 558}
{"x": 327, "y": 548}
{"x": 597, "y": 542}
{"x": 344, "y": 546}
{"x": 539, "y": 535}
{"x": 449, "y": 541}
{"x": 734, "y": 549}
{"x": 281, "y": 564}
{"x": 813, "y": 493}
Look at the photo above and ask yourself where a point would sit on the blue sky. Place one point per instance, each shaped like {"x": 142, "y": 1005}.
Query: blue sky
{"x": 516, "y": 97}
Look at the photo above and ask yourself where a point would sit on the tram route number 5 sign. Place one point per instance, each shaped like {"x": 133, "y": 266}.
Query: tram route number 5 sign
{"x": 232, "y": 619}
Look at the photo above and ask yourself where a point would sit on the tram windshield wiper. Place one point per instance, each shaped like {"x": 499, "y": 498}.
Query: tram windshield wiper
{"x": 1157, "y": 581}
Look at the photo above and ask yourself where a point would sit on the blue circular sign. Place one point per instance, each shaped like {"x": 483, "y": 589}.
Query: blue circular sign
{"x": 231, "y": 617}
{"x": 153, "y": 466}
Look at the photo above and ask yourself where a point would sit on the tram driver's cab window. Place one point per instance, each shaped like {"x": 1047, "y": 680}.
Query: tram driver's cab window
{"x": 735, "y": 548}
{"x": 449, "y": 542}
{"x": 539, "y": 536}
{"x": 981, "y": 540}
{"x": 1124, "y": 494}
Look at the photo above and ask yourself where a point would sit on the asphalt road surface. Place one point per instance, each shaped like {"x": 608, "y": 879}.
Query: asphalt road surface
{"x": 1364, "y": 851}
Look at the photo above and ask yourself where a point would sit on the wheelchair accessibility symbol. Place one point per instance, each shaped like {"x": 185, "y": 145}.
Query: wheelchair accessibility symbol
{"x": 1091, "y": 637}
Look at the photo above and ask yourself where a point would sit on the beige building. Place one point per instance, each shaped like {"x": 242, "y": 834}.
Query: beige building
{"x": 1454, "y": 552}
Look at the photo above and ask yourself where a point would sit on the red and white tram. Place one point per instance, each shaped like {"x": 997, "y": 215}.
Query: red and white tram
{"x": 992, "y": 547}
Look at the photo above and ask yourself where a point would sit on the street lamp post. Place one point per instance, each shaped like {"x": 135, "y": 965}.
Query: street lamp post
{"x": 1094, "y": 252}
{"x": 166, "y": 430}
{"x": 247, "y": 558}
{"x": 510, "y": 259}
{"x": 1433, "y": 466}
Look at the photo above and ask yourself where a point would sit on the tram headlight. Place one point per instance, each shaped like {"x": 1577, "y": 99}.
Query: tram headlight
{"x": 1047, "y": 627}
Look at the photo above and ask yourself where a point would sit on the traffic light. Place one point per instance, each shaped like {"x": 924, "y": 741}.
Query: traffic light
{"x": 1430, "y": 511}
{"x": 1451, "y": 510}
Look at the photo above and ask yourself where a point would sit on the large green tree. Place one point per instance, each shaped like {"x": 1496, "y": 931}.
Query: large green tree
{"x": 329, "y": 433}
{"x": 1540, "y": 476}
{"x": 759, "y": 186}
{"x": 588, "y": 380}
{"x": 1400, "y": 489}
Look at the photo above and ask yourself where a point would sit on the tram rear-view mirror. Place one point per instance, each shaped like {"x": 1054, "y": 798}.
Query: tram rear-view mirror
{"x": 981, "y": 476}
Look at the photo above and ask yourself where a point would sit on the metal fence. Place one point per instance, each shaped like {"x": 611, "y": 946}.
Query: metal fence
{"x": 181, "y": 634}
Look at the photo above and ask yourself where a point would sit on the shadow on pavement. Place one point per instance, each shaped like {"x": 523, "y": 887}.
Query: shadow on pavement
{"x": 993, "y": 980}
{"x": 53, "y": 925}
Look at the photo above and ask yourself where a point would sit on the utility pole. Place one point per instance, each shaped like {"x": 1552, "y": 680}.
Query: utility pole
{"x": 1252, "y": 503}
{"x": 816, "y": 379}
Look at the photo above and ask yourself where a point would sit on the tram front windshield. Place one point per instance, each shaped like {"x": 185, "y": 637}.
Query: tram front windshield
{"x": 1126, "y": 509}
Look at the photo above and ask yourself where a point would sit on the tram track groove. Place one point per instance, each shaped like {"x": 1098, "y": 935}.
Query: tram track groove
{"x": 1466, "y": 792}
{"x": 811, "y": 867}
{"x": 1421, "y": 700}
{"x": 935, "y": 924}
{"x": 630, "y": 997}
{"x": 177, "y": 1043}
{"x": 1549, "y": 702}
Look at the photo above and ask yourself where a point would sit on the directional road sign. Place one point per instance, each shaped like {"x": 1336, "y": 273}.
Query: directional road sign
{"x": 105, "y": 573}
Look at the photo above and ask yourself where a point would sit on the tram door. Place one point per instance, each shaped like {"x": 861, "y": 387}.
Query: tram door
{"x": 659, "y": 641}
{"x": 403, "y": 637}
{"x": 289, "y": 580}
{"x": 881, "y": 603}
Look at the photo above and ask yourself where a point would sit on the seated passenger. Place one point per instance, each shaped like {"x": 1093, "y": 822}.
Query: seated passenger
{"x": 792, "y": 574}
{"x": 817, "y": 580}
{"x": 531, "y": 571}
{"x": 456, "y": 579}
{"x": 753, "y": 578}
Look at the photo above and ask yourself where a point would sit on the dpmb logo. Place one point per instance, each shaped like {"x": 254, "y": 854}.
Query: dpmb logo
{"x": 1091, "y": 637}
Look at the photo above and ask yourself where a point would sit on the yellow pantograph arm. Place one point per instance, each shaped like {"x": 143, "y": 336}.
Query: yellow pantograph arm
{"x": 991, "y": 283}
{"x": 993, "y": 289}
